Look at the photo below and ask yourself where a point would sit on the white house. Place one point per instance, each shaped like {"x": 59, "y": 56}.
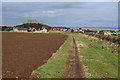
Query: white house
{"x": 107, "y": 33}
{"x": 41, "y": 31}
{"x": 20, "y": 30}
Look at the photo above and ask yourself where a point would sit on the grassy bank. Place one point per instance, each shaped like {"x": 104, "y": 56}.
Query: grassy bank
{"x": 56, "y": 63}
{"x": 99, "y": 62}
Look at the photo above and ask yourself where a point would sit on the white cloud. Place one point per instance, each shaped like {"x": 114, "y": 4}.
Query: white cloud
{"x": 60, "y": 0}
{"x": 52, "y": 13}
{"x": 90, "y": 14}
{"x": 49, "y": 12}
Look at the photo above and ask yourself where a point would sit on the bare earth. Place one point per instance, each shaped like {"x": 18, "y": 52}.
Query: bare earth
{"x": 24, "y": 52}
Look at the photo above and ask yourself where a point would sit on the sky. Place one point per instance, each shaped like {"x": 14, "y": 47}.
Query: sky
{"x": 68, "y": 14}
{"x": 60, "y": 0}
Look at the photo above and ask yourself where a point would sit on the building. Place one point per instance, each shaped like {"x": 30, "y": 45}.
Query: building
{"x": 114, "y": 33}
{"x": 20, "y": 30}
{"x": 105, "y": 32}
{"x": 41, "y": 31}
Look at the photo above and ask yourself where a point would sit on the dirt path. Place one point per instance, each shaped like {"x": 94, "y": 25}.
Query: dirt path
{"x": 74, "y": 68}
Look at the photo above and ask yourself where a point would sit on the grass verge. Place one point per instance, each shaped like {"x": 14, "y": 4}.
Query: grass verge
{"x": 56, "y": 63}
{"x": 100, "y": 63}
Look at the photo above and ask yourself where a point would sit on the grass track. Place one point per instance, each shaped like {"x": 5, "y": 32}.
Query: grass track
{"x": 101, "y": 63}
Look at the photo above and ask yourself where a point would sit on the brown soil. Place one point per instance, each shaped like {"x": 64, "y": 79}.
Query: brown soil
{"x": 74, "y": 68}
{"x": 24, "y": 52}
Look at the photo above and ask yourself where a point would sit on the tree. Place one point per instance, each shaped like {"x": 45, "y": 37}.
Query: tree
{"x": 48, "y": 28}
{"x": 6, "y": 28}
{"x": 72, "y": 30}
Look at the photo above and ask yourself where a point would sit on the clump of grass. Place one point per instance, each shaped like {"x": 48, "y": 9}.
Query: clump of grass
{"x": 55, "y": 64}
{"x": 101, "y": 63}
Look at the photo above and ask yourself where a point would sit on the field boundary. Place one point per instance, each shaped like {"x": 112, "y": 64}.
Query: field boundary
{"x": 54, "y": 66}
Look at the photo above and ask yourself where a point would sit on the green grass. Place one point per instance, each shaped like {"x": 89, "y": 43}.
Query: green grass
{"x": 55, "y": 64}
{"x": 56, "y": 31}
{"x": 101, "y": 63}
{"x": 60, "y": 32}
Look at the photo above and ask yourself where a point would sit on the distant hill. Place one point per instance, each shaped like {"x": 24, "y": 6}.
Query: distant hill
{"x": 33, "y": 23}
{"x": 30, "y": 24}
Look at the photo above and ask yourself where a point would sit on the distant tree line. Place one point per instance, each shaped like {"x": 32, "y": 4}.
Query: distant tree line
{"x": 7, "y": 28}
{"x": 109, "y": 38}
{"x": 35, "y": 25}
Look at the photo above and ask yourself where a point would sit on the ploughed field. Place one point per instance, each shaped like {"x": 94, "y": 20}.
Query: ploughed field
{"x": 24, "y": 52}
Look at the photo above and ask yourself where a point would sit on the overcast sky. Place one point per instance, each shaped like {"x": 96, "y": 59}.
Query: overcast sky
{"x": 60, "y": 0}
{"x": 71, "y": 14}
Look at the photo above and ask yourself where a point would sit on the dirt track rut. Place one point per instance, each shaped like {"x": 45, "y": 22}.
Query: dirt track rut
{"x": 74, "y": 68}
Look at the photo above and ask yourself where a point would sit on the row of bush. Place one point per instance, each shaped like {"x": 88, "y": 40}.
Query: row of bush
{"x": 107, "y": 37}
{"x": 111, "y": 39}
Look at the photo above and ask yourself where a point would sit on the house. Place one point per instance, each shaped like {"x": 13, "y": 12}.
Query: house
{"x": 81, "y": 31}
{"x": 41, "y": 31}
{"x": 118, "y": 32}
{"x": 105, "y": 32}
{"x": 54, "y": 28}
{"x": 114, "y": 33}
{"x": 20, "y": 30}
{"x": 92, "y": 32}
{"x": 75, "y": 30}
{"x": 64, "y": 29}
